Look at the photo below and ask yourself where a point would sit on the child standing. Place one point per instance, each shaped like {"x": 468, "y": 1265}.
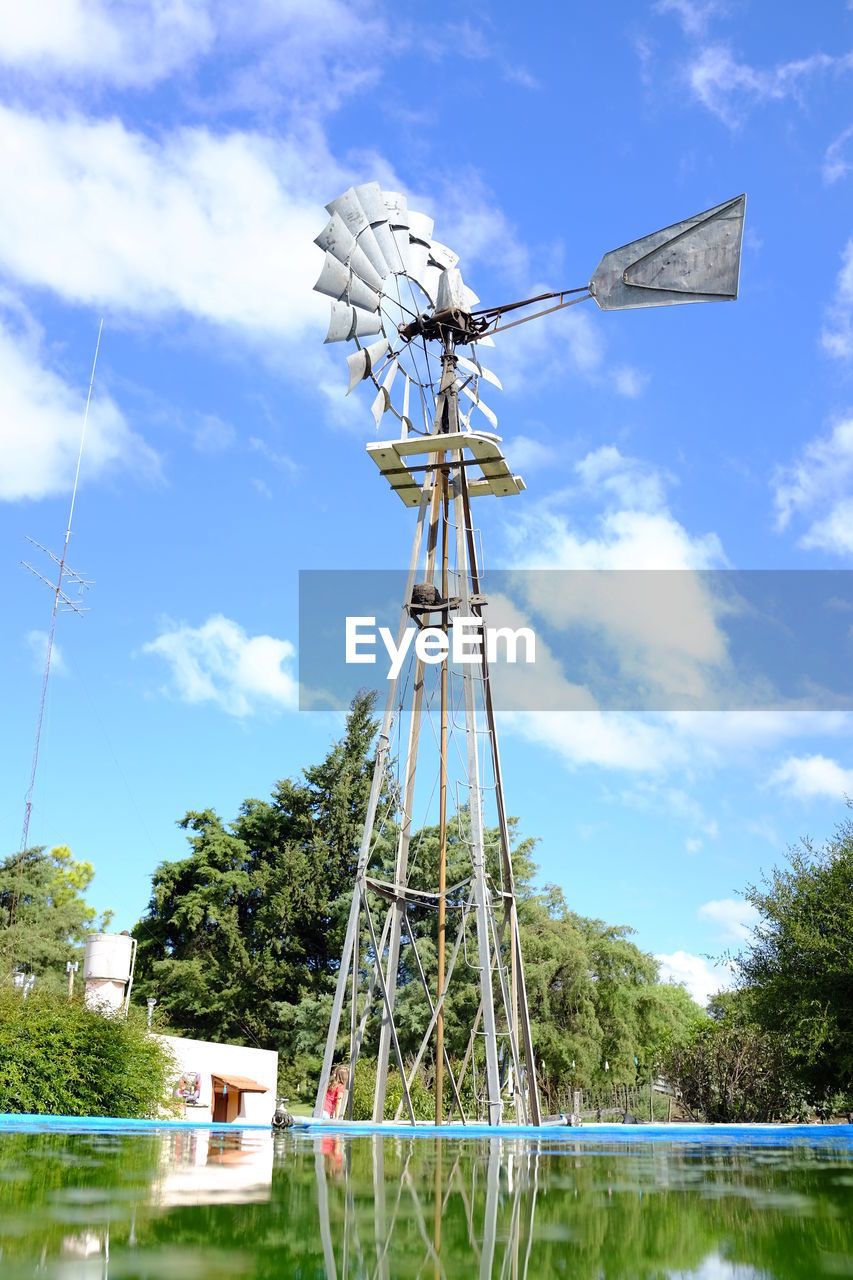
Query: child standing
{"x": 333, "y": 1103}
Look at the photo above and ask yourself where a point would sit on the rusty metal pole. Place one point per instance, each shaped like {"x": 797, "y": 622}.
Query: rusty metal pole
{"x": 442, "y": 826}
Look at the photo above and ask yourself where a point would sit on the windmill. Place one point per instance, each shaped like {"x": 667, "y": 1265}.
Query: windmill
{"x": 418, "y": 334}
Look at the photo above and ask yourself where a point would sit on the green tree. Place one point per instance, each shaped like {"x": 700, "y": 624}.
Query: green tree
{"x": 799, "y": 969}
{"x": 728, "y": 1069}
{"x": 44, "y": 916}
{"x": 251, "y": 922}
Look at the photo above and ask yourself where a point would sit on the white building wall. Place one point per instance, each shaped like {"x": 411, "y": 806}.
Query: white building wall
{"x": 209, "y": 1059}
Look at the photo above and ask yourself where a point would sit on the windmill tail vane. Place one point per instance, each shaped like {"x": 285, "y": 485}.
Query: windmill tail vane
{"x": 397, "y": 294}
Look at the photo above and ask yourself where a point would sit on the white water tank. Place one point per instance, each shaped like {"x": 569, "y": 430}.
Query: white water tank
{"x": 108, "y": 970}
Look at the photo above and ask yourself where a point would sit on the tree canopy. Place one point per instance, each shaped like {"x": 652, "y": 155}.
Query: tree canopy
{"x": 799, "y": 968}
{"x": 44, "y": 916}
{"x": 252, "y": 921}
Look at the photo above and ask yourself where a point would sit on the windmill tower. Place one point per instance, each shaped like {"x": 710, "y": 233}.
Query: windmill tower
{"x": 398, "y": 295}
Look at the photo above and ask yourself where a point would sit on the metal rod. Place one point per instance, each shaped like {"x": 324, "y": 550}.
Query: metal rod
{"x": 353, "y": 1051}
{"x": 384, "y": 992}
{"x": 442, "y": 826}
{"x": 428, "y": 1033}
{"x": 475, "y": 809}
{"x": 513, "y": 1040}
{"x": 402, "y": 858}
{"x": 425, "y": 985}
{"x": 368, "y": 999}
{"x": 501, "y": 328}
{"x": 382, "y": 749}
{"x": 520, "y": 1010}
{"x": 528, "y": 302}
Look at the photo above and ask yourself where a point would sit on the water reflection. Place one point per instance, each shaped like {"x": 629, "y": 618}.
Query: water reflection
{"x": 204, "y": 1167}
{"x": 497, "y": 1196}
{"x": 197, "y": 1203}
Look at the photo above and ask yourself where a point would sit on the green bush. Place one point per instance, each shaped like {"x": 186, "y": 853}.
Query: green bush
{"x": 57, "y": 1057}
{"x": 423, "y": 1104}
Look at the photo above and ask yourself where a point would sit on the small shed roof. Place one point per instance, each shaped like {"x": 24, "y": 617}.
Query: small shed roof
{"x": 243, "y": 1083}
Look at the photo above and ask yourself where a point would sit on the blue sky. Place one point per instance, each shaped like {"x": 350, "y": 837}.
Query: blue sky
{"x": 167, "y": 163}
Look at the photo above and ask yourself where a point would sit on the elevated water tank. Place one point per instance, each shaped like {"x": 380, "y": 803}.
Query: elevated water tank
{"x": 108, "y": 965}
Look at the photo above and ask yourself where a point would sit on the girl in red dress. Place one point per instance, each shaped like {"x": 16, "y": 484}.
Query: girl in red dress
{"x": 333, "y": 1103}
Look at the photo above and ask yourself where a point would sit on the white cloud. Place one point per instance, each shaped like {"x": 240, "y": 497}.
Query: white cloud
{"x": 210, "y": 434}
{"x": 526, "y": 454}
{"x": 817, "y": 486}
{"x": 542, "y": 352}
{"x": 42, "y": 416}
{"x": 473, "y": 42}
{"x": 837, "y": 334}
{"x": 218, "y": 227}
{"x": 37, "y": 645}
{"x": 301, "y": 57}
{"x": 616, "y": 517}
{"x": 674, "y": 802}
{"x": 219, "y": 663}
{"x": 693, "y": 15}
{"x": 701, "y": 979}
{"x": 693, "y": 844}
{"x": 131, "y": 44}
{"x": 609, "y": 740}
{"x": 273, "y": 456}
{"x": 635, "y": 529}
{"x": 837, "y": 163}
{"x": 629, "y": 382}
{"x": 304, "y": 57}
{"x": 734, "y": 917}
{"x": 808, "y": 777}
{"x": 475, "y": 226}
{"x": 661, "y": 627}
{"x": 728, "y": 87}
{"x": 623, "y": 482}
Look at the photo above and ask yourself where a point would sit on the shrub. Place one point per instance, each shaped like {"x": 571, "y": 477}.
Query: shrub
{"x": 365, "y": 1084}
{"x": 58, "y": 1057}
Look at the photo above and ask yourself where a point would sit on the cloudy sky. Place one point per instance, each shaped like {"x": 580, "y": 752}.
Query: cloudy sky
{"x": 166, "y": 165}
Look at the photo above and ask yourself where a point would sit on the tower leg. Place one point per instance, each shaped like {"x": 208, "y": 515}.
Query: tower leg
{"x": 402, "y": 859}
{"x": 382, "y": 749}
{"x": 478, "y": 856}
{"x": 520, "y": 1010}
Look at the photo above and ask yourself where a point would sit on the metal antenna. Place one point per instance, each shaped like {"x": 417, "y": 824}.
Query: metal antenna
{"x": 60, "y": 598}
{"x": 391, "y": 283}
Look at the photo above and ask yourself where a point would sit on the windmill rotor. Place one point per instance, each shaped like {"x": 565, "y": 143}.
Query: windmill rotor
{"x": 394, "y": 291}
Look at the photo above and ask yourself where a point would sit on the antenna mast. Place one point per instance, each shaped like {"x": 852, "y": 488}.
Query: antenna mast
{"x": 59, "y": 598}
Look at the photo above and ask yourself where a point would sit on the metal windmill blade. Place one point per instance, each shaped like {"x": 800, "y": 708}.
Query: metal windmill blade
{"x": 384, "y": 271}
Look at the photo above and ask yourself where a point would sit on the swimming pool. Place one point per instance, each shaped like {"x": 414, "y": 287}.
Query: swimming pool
{"x": 104, "y": 1198}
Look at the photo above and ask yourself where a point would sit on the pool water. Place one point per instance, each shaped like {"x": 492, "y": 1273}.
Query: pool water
{"x": 194, "y": 1203}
